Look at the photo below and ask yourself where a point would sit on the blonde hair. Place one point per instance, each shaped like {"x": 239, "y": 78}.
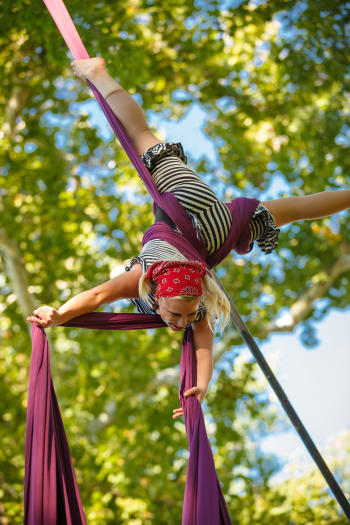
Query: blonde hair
{"x": 213, "y": 299}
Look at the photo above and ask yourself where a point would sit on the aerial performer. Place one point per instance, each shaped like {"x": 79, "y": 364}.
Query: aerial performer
{"x": 160, "y": 279}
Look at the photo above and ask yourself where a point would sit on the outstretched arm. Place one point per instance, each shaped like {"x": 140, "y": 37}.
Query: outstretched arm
{"x": 291, "y": 209}
{"x": 124, "y": 286}
{"x": 122, "y": 104}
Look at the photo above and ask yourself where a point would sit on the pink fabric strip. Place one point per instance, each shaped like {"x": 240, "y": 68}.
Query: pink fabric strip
{"x": 65, "y": 24}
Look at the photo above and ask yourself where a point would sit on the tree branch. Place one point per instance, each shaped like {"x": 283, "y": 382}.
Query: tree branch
{"x": 14, "y": 108}
{"x": 303, "y": 306}
{"x": 17, "y": 274}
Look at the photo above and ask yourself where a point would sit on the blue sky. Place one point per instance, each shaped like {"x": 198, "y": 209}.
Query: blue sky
{"x": 316, "y": 382}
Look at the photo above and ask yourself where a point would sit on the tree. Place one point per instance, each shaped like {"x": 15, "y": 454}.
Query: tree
{"x": 271, "y": 78}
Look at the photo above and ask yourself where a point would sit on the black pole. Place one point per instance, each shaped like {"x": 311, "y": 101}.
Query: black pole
{"x": 286, "y": 404}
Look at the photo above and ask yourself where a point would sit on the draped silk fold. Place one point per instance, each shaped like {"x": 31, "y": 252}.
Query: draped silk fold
{"x": 51, "y": 495}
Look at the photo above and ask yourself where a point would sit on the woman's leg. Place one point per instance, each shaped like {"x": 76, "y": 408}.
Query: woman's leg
{"x": 291, "y": 209}
{"x": 122, "y": 104}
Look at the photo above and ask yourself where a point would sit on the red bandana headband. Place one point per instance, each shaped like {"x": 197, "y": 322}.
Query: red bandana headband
{"x": 177, "y": 278}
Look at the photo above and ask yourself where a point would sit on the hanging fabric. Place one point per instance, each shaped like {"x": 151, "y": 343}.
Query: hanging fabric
{"x": 51, "y": 495}
{"x": 203, "y": 500}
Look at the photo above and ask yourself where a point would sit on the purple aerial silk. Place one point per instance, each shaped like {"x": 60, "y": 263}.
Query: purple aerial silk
{"x": 238, "y": 239}
{"x": 51, "y": 495}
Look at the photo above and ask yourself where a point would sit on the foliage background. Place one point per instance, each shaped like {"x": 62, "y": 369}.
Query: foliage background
{"x": 273, "y": 78}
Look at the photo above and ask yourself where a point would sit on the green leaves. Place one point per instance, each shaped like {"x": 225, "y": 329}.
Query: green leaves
{"x": 271, "y": 77}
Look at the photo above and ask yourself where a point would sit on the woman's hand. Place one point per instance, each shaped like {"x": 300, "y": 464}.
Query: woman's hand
{"x": 46, "y": 316}
{"x": 88, "y": 68}
{"x": 197, "y": 391}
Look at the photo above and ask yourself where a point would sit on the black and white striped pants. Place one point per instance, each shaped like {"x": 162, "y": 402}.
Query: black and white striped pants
{"x": 170, "y": 173}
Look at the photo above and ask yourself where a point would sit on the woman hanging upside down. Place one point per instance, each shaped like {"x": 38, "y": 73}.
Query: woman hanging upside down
{"x": 160, "y": 279}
